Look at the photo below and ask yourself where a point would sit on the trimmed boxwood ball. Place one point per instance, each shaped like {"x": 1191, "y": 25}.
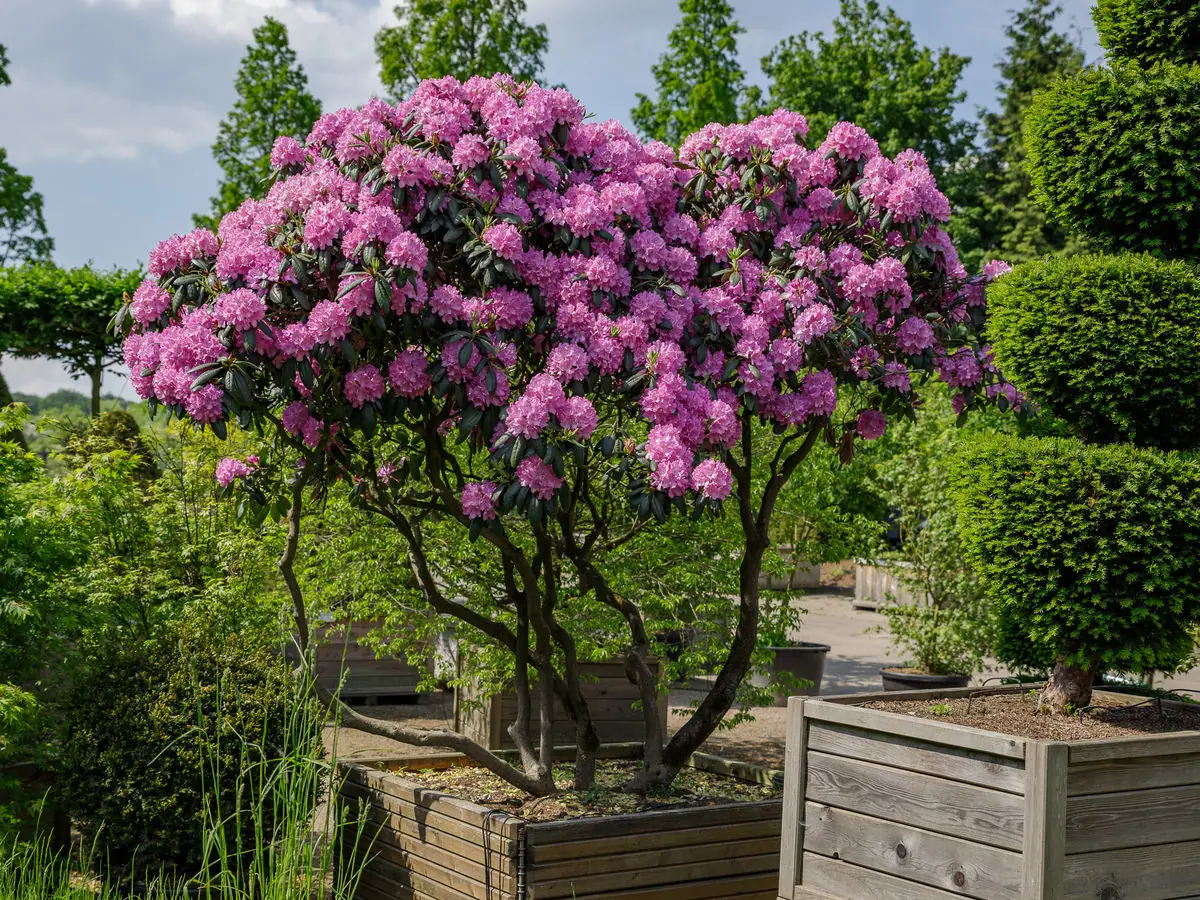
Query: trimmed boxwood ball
{"x": 1149, "y": 31}
{"x": 1088, "y": 551}
{"x": 1104, "y": 343}
{"x": 138, "y": 768}
{"x": 1114, "y": 154}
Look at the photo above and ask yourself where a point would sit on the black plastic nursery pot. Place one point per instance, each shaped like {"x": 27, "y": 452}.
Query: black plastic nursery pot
{"x": 804, "y": 660}
{"x": 896, "y": 679}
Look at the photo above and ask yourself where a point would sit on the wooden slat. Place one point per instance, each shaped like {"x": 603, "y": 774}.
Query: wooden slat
{"x": 471, "y": 813}
{"x": 921, "y": 729}
{"x": 997, "y": 772}
{"x": 1132, "y": 774}
{"x": 402, "y": 832}
{"x": 632, "y": 863}
{"x": 541, "y": 833}
{"x": 792, "y": 837}
{"x": 426, "y": 818}
{"x": 583, "y": 885}
{"x": 761, "y": 829}
{"x": 387, "y": 878}
{"x": 949, "y": 863}
{"x": 1123, "y": 748}
{"x": 947, "y": 693}
{"x": 934, "y": 804}
{"x": 1133, "y": 819}
{"x": 1045, "y": 820}
{"x": 841, "y": 880}
{"x": 444, "y": 868}
{"x": 743, "y": 771}
{"x": 1162, "y": 872}
{"x": 739, "y": 887}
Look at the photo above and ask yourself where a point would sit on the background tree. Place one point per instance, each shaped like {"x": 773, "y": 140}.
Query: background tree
{"x": 699, "y": 78}
{"x": 64, "y": 314}
{"x": 435, "y": 38}
{"x": 1002, "y": 219}
{"x": 273, "y": 100}
{"x": 23, "y": 234}
{"x": 872, "y": 72}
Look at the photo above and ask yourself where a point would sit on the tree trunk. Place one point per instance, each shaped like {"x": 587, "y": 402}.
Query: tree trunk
{"x": 1069, "y": 688}
{"x": 97, "y": 375}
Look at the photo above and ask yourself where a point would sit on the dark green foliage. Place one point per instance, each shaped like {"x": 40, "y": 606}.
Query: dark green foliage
{"x": 435, "y": 38}
{"x": 1115, "y": 155}
{"x": 273, "y": 100}
{"x": 64, "y": 314}
{"x": 1089, "y": 552}
{"x": 699, "y": 78}
{"x": 155, "y": 732}
{"x": 1104, "y": 343}
{"x": 872, "y": 72}
{"x": 994, "y": 216}
{"x": 1149, "y": 31}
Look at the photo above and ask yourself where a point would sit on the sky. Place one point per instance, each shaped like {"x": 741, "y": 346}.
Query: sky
{"x": 114, "y": 104}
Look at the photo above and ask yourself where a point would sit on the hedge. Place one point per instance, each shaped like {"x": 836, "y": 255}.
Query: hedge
{"x": 1149, "y": 31}
{"x": 1106, "y": 343}
{"x": 1114, "y": 154}
{"x": 1088, "y": 551}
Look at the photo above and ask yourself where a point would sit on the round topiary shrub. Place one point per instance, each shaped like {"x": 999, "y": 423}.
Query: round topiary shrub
{"x": 1101, "y": 342}
{"x": 1149, "y": 31}
{"x": 1115, "y": 155}
{"x": 1089, "y": 551}
{"x": 166, "y": 740}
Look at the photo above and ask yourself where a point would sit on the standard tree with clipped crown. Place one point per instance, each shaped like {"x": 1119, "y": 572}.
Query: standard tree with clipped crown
{"x": 1102, "y": 342}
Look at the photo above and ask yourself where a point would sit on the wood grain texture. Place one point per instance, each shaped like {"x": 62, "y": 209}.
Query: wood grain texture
{"x": 1133, "y": 774}
{"x": 934, "y": 804}
{"x": 1162, "y": 872}
{"x": 791, "y": 848}
{"x": 943, "y": 733}
{"x": 1133, "y": 819}
{"x": 766, "y": 830}
{"x": 584, "y": 886}
{"x": 949, "y": 863}
{"x": 649, "y": 823}
{"x": 1187, "y": 742}
{"x": 844, "y": 881}
{"x": 1045, "y": 820}
{"x": 987, "y": 770}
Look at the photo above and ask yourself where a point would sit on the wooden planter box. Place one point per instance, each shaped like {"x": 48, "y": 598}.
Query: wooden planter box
{"x": 876, "y": 584}
{"x": 610, "y": 697}
{"x": 883, "y": 805}
{"x": 431, "y": 846}
{"x": 367, "y": 677}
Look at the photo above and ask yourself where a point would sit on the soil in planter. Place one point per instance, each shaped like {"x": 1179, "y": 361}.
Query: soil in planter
{"x": 1017, "y": 714}
{"x": 693, "y": 788}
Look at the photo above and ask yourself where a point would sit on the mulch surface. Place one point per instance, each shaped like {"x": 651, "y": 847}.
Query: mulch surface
{"x": 1109, "y": 716}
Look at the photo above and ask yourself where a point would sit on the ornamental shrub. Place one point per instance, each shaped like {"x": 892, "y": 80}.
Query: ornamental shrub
{"x": 1149, "y": 31}
{"x": 1099, "y": 340}
{"x": 476, "y": 307}
{"x": 1087, "y": 551}
{"x": 1115, "y": 155}
{"x": 166, "y": 738}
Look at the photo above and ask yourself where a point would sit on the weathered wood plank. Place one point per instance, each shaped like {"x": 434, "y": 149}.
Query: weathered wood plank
{"x": 540, "y": 833}
{"x": 949, "y": 863}
{"x": 1133, "y": 774}
{"x": 386, "y": 877}
{"x": 743, "y": 771}
{"x": 583, "y": 885}
{"x": 1045, "y": 820}
{"x": 1123, "y": 748}
{"x": 792, "y": 838}
{"x": 948, "y": 693}
{"x": 934, "y": 804}
{"x": 921, "y": 729}
{"x": 444, "y": 868}
{"x": 403, "y": 833}
{"x": 761, "y": 829}
{"x": 834, "y": 878}
{"x": 471, "y": 813}
{"x": 1161, "y": 872}
{"x": 739, "y": 887}
{"x": 428, "y": 820}
{"x": 653, "y": 857}
{"x": 1133, "y": 818}
{"x": 985, "y": 769}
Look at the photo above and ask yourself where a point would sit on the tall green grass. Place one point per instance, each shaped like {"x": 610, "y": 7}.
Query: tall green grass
{"x": 302, "y": 845}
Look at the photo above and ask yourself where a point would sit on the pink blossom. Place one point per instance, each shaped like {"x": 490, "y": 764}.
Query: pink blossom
{"x": 363, "y": 385}
{"x": 577, "y": 415}
{"x": 407, "y": 374}
{"x": 504, "y": 239}
{"x": 712, "y": 480}
{"x": 914, "y": 335}
{"x": 871, "y": 424}
{"x": 477, "y": 500}
{"x": 538, "y": 477}
{"x": 230, "y": 469}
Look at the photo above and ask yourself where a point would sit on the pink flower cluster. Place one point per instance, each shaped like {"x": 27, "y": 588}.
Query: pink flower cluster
{"x": 483, "y": 256}
{"x": 230, "y": 469}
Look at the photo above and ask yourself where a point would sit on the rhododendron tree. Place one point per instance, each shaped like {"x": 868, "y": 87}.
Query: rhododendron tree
{"x": 478, "y": 307}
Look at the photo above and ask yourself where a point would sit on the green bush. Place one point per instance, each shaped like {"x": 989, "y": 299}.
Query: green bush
{"x": 157, "y": 736}
{"x": 1115, "y": 155}
{"x": 1104, "y": 343}
{"x": 1088, "y": 552}
{"x": 1149, "y": 31}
